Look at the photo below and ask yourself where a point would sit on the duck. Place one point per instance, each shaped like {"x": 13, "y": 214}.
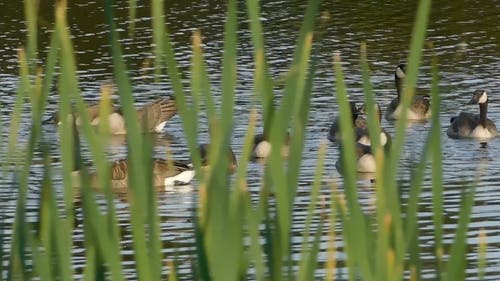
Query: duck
{"x": 262, "y": 146}
{"x": 357, "y": 122}
{"x": 152, "y": 117}
{"x": 474, "y": 126}
{"x": 420, "y": 107}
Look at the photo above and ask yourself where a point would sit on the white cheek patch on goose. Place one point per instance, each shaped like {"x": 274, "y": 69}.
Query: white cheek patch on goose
{"x": 383, "y": 139}
{"x": 263, "y": 149}
{"x": 400, "y": 73}
{"x": 483, "y": 98}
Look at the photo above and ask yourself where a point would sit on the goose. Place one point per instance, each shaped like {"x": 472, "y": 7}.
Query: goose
{"x": 362, "y": 133}
{"x": 152, "y": 117}
{"x": 357, "y": 122}
{"x": 365, "y": 160}
{"x": 204, "y": 153}
{"x": 164, "y": 174}
{"x": 420, "y": 107}
{"x": 476, "y": 126}
{"x": 262, "y": 147}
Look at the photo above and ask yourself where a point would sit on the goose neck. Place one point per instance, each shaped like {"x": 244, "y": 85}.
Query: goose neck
{"x": 483, "y": 109}
{"x": 399, "y": 86}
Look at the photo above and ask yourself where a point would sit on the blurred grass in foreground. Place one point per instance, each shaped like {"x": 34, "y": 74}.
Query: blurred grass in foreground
{"x": 381, "y": 247}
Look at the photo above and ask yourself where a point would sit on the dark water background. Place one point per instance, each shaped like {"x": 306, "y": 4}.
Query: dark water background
{"x": 465, "y": 35}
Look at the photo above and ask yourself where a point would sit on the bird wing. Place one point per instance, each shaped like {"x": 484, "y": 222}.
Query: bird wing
{"x": 156, "y": 112}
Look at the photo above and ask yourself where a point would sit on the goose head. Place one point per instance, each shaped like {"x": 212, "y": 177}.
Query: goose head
{"x": 479, "y": 97}
{"x": 400, "y": 72}
{"x": 376, "y": 107}
{"x": 355, "y": 111}
{"x": 204, "y": 153}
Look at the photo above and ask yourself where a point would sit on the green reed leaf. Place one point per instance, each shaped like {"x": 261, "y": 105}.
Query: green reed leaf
{"x": 148, "y": 255}
{"x": 456, "y": 265}
{"x": 132, "y": 16}
{"x": 355, "y": 224}
{"x": 30, "y": 14}
{"x": 158, "y": 24}
{"x": 309, "y": 252}
{"x": 285, "y": 183}
{"x": 262, "y": 78}
{"x": 17, "y": 264}
{"x": 437, "y": 163}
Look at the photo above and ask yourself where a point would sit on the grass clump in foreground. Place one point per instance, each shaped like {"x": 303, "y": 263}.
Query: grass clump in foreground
{"x": 383, "y": 247}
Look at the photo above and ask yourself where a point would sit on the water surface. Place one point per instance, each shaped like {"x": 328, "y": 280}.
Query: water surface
{"x": 464, "y": 35}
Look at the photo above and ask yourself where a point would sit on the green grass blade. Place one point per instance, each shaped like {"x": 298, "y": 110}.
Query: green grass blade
{"x": 89, "y": 272}
{"x": 456, "y": 265}
{"x": 240, "y": 210}
{"x": 308, "y": 256}
{"x": 158, "y": 18}
{"x": 2, "y": 250}
{"x": 418, "y": 37}
{"x": 173, "y": 276}
{"x": 217, "y": 196}
{"x": 17, "y": 264}
{"x": 432, "y": 151}
{"x": 482, "y": 253}
{"x": 437, "y": 171}
{"x": 132, "y": 16}
{"x": 294, "y": 91}
{"x": 252, "y": 218}
{"x": 309, "y": 264}
{"x": 373, "y": 122}
{"x": 71, "y": 150}
{"x": 191, "y": 113}
{"x": 41, "y": 262}
{"x": 355, "y": 224}
{"x": 383, "y": 221}
{"x": 30, "y": 14}
{"x": 262, "y": 79}
{"x": 416, "y": 46}
{"x": 331, "y": 263}
{"x": 148, "y": 257}
{"x": 60, "y": 243}
{"x": 256, "y": 251}
{"x": 300, "y": 115}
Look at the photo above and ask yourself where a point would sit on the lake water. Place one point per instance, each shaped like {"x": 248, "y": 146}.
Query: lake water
{"x": 465, "y": 36}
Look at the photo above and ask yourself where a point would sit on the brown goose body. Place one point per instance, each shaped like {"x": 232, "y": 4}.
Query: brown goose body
{"x": 152, "y": 117}
{"x": 164, "y": 174}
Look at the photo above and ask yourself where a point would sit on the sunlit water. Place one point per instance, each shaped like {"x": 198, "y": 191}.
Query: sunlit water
{"x": 465, "y": 37}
